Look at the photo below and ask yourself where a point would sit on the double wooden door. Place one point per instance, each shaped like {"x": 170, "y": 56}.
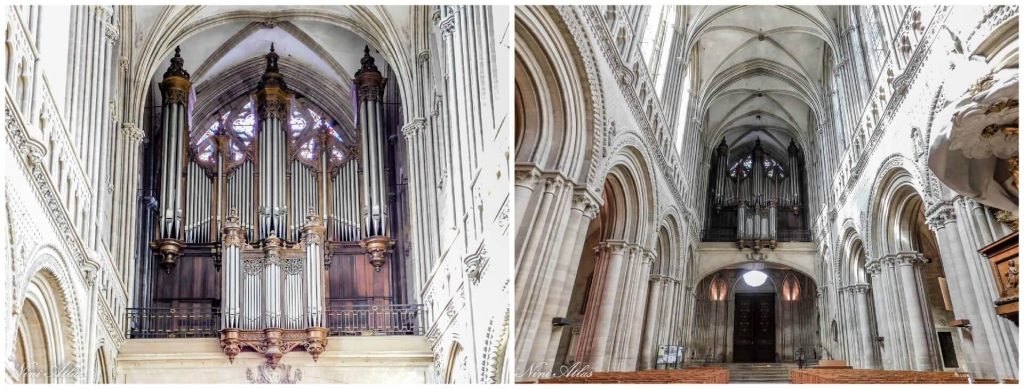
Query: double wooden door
{"x": 754, "y": 328}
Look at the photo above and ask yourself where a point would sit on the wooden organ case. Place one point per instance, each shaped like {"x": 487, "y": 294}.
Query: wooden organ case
{"x": 272, "y": 232}
{"x": 755, "y": 200}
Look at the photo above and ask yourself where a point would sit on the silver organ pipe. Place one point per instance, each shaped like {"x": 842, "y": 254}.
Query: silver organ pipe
{"x": 278, "y": 281}
{"x": 238, "y": 195}
{"x": 758, "y": 191}
{"x": 272, "y": 282}
{"x": 370, "y": 82}
{"x": 313, "y": 238}
{"x": 175, "y": 89}
{"x": 304, "y": 194}
{"x": 374, "y": 229}
{"x": 232, "y": 239}
{"x": 345, "y": 202}
{"x": 199, "y": 214}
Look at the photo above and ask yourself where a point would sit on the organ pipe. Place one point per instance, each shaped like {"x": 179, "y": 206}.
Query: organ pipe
{"x": 175, "y": 90}
{"x": 273, "y": 102}
{"x": 232, "y": 240}
{"x": 756, "y": 191}
{"x": 313, "y": 238}
{"x": 370, "y": 83}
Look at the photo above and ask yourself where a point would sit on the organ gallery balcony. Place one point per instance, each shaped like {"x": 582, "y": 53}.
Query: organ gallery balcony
{"x": 354, "y": 320}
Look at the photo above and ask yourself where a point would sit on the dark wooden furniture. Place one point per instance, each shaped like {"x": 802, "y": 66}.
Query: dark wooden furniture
{"x": 1002, "y": 256}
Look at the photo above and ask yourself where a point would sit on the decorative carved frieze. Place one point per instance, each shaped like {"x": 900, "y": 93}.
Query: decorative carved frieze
{"x": 273, "y": 343}
{"x": 265, "y": 374}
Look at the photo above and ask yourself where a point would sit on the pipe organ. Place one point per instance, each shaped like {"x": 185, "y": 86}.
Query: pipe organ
{"x": 753, "y": 187}
{"x": 375, "y": 230}
{"x": 274, "y": 192}
{"x": 175, "y": 90}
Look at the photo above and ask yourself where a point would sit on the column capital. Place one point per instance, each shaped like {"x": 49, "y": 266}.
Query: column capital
{"x": 132, "y": 132}
{"x": 553, "y": 183}
{"x": 447, "y": 26}
{"x": 585, "y": 202}
{"x": 909, "y": 258}
{"x": 874, "y": 266}
{"x": 859, "y": 288}
{"x": 647, "y": 256}
{"x": 616, "y": 247}
{"x": 888, "y": 260}
{"x": 526, "y": 176}
{"x": 413, "y": 127}
{"x": 940, "y": 215}
{"x": 110, "y": 33}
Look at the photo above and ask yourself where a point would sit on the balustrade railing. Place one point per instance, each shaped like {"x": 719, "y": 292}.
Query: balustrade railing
{"x": 729, "y": 235}
{"x": 393, "y": 319}
{"x": 386, "y": 319}
{"x": 719, "y": 235}
{"x": 173, "y": 322}
{"x": 794, "y": 235}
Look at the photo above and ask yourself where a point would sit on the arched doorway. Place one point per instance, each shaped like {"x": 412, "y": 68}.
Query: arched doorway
{"x": 754, "y": 312}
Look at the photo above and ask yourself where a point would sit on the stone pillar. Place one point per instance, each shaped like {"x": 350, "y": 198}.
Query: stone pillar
{"x": 881, "y": 316}
{"x": 986, "y": 352}
{"x": 894, "y": 305}
{"x": 636, "y": 302}
{"x": 596, "y": 336}
{"x": 534, "y": 261}
{"x": 917, "y": 318}
{"x": 555, "y": 301}
{"x": 126, "y": 153}
{"x": 526, "y": 179}
{"x": 867, "y": 338}
{"x": 92, "y": 271}
{"x": 652, "y": 323}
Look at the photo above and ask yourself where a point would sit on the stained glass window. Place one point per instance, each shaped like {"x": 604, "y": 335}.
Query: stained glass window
{"x": 239, "y": 124}
{"x": 245, "y": 124}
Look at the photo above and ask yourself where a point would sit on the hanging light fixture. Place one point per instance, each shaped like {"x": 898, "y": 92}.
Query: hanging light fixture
{"x": 754, "y": 278}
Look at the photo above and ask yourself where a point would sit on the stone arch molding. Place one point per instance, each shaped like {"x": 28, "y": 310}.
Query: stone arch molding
{"x": 632, "y": 155}
{"x": 552, "y": 79}
{"x": 895, "y": 172}
{"x": 50, "y": 268}
{"x": 849, "y": 240}
{"x": 603, "y": 132}
{"x": 669, "y": 221}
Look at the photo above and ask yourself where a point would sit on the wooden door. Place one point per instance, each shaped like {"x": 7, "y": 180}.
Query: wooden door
{"x": 754, "y": 328}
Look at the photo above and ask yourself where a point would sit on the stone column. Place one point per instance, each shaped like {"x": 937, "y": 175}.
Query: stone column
{"x": 534, "y": 261}
{"x": 652, "y": 323}
{"x": 881, "y": 317}
{"x": 916, "y": 317}
{"x": 986, "y": 352}
{"x": 636, "y": 296}
{"x": 898, "y": 336}
{"x": 126, "y": 152}
{"x": 526, "y": 179}
{"x": 92, "y": 273}
{"x": 867, "y": 341}
{"x": 555, "y": 301}
{"x": 596, "y": 337}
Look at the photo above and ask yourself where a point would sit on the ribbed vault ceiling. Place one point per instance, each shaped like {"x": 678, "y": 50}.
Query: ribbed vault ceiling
{"x": 760, "y": 69}
{"x": 318, "y": 59}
